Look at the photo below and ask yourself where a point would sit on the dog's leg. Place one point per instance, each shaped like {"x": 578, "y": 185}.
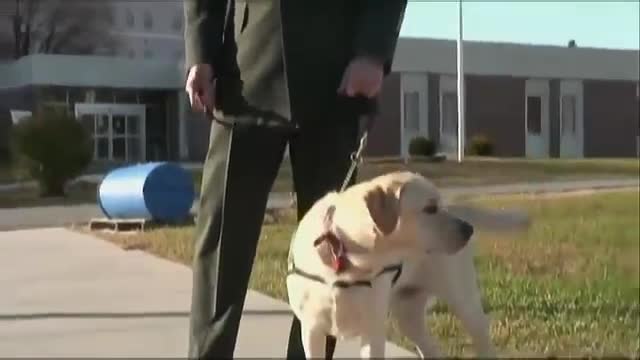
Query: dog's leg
{"x": 461, "y": 293}
{"x": 409, "y": 311}
{"x": 313, "y": 341}
{"x": 374, "y": 340}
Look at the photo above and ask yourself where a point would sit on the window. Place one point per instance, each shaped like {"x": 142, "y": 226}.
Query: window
{"x": 55, "y": 99}
{"x": 412, "y": 111}
{"x": 178, "y": 55}
{"x": 77, "y": 95}
{"x": 110, "y": 18}
{"x": 103, "y": 95}
{"x": 101, "y": 137}
{"x": 55, "y": 94}
{"x": 534, "y": 115}
{"x": 133, "y": 138}
{"x": 130, "y": 19}
{"x": 177, "y": 21}
{"x": 450, "y": 113}
{"x": 122, "y": 96}
{"x": 148, "y": 20}
{"x": 148, "y": 54}
{"x": 568, "y": 119}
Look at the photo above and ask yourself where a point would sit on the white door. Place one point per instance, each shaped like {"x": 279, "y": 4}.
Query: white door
{"x": 571, "y": 119}
{"x": 537, "y": 118}
{"x": 118, "y": 131}
{"x": 449, "y": 115}
{"x": 415, "y": 117}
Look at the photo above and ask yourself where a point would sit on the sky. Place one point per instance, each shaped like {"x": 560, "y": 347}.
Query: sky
{"x": 600, "y": 24}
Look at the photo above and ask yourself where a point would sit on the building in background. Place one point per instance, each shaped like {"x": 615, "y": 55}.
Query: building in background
{"x": 148, "y": 29}
{"x": 529, "y": 101}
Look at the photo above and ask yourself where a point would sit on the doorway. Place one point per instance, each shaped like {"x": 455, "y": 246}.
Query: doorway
{"x": 537, "y": 118}
{"x": 117, "y": 130}
{"x": 415, "y": 120}
{"x": 571, "y": 119}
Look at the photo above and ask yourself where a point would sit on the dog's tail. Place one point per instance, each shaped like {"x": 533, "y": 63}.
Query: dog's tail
{"x": 492, "y": 220}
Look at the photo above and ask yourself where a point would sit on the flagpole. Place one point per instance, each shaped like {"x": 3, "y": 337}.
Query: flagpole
{"x": 461, "y": 97}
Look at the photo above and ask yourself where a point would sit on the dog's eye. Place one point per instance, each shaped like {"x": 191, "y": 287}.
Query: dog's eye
{"x": 431, "y": 209}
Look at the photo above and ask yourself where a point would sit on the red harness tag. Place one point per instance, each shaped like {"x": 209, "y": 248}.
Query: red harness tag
{"x": 340, "y": 261}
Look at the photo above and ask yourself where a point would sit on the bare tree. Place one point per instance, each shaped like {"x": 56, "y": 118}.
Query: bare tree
{"x": 59, "y": 26}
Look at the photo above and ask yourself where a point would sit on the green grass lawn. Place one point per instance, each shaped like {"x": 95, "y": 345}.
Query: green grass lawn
{"x": 568, "y": 286}
{"x": 483, "y": 171}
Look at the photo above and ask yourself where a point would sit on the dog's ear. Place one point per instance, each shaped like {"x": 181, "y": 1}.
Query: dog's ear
{"x": 383, "y": 209}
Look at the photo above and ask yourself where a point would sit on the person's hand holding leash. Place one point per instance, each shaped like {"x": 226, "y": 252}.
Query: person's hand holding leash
{"x": 363, "y": 77}
{"x": 200, "y": 86}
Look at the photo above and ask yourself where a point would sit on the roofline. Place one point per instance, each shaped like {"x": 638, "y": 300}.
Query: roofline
{"x": 412, "y": 55}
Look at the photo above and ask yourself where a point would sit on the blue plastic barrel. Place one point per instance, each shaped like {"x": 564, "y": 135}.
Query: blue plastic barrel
{"x": 153, "y": 191}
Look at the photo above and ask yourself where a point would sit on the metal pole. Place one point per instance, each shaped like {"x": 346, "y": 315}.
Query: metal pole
{"x": 461, "y": 119}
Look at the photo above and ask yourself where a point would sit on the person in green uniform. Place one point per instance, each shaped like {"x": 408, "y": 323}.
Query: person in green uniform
{"x": 272, "y": 73}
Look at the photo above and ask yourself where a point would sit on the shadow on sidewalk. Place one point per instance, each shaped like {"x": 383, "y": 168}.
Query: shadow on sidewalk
{"x": 124, "y": 315}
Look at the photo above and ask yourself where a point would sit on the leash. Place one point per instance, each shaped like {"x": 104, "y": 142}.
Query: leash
{"x": 368, "y": 108}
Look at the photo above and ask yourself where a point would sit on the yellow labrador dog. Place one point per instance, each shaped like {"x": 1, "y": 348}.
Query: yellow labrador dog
{"x": 383, "y": 245}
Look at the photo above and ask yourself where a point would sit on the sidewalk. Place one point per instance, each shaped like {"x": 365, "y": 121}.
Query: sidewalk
{"x": 66, "y": 294}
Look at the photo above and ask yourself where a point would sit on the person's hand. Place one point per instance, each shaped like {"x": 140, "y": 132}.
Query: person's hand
{"x": 201, "y": 87}
{"x": 363, "y": 77}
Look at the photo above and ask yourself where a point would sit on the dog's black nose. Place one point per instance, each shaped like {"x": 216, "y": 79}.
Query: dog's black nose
{"x": 466, "y": 229}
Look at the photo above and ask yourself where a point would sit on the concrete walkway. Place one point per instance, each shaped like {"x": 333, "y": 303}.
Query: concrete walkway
{"x": 66, "y": 294}
{"x": 21, "y": 218}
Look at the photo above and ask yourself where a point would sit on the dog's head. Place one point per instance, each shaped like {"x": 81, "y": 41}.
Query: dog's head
{"x": 398, "y": 213}
{"x": 408, "y": 213}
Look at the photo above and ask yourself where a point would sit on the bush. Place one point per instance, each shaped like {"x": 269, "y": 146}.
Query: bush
{"x": 52, "y": 147}
{"x": 421, "y": 146}
{"x": 480, "y": 145}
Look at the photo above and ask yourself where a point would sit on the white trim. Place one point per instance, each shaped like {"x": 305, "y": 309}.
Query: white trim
{"x": 19, "y": 115}
{"x": 572, "y": 148}
{"x": 91, "y": 71}
{"x": 447, "y": 84}
{"x": 537, "y": 146}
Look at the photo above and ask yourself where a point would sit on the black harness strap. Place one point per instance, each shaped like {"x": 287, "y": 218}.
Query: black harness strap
{"x": 294, "y": 270}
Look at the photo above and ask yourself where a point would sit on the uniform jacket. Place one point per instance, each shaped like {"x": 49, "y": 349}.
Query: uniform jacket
{"x": 288, "y": 56}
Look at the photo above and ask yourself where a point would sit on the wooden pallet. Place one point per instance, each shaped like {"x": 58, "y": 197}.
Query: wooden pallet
{"x": 128, "y": 225}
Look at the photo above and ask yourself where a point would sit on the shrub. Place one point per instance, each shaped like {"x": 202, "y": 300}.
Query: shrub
{"x": 480, "y": 145}
{"x": 53, "y": 148}
{"x": 421, "y": 146}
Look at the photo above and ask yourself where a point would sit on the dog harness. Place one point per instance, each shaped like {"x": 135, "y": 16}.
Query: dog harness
{"x": 343, "y": 284}
{"x": 339, "y": 260}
